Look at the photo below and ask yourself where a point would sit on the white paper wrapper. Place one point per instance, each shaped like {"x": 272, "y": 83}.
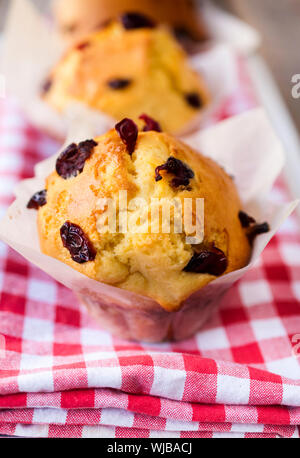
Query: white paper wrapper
{"x": 247, "y": 147}
{"x": 31, "y": 48}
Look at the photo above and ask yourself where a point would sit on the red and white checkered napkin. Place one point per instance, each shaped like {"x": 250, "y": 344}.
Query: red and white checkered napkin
{"x": 62, "y": 376}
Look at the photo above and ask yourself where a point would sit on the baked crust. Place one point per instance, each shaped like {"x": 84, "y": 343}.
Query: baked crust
{"x": 149, "y": 264}
{"x": 76, "y": 18}
{"x": 159, "y": 78}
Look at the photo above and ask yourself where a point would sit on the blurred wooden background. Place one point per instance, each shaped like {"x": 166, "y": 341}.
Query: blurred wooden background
{"x": 278, "y": 21}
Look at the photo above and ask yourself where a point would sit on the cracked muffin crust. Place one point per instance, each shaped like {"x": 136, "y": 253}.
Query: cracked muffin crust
{"x": 162, "y": 266}
{"x": 124, "y": 72}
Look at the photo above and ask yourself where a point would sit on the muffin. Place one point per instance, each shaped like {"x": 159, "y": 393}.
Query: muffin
{"x": 76, "y": 18}
{"x": 149, "y": 167}
{"x": 122, "y": 71}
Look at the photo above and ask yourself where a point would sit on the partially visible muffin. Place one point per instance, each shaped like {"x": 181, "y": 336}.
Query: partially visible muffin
{"x": 76, "y": 18}
{"x": 127, "y": 68}
{"x": 149, "y": 165}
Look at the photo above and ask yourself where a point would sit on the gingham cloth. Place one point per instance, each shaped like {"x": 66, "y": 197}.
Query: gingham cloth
{"x": 63, "y": 376}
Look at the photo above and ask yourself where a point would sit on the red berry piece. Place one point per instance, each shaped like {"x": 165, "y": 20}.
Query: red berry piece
{"x": 253, "y": 229}
{"x": 128, "y": 132}
{"x": 245, "y": 219}
{"x": 151, "y": 124}
{"x": 194, "y": 100}
{"x": 183, "y": 174}
{"x": 78, "y": 244}
{"x": 136, "y": 21}
{"x": 182, "y": 34}
{"x": 83, "y": 45}
{"x": 119, "y": 83}
{"x": 212, "y": 262}
{"x": 257, "y": 229}
{"x": 39, "y": 199}
{"x": 71, "y": 161}
{"x": 46, "y": 86}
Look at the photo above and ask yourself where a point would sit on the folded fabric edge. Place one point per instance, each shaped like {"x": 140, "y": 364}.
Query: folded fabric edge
{"x": 123, "y": 418}
{"x": 171, "y": 370}
{"x": 102, "y": 431}
{"x": 120, "y": 417}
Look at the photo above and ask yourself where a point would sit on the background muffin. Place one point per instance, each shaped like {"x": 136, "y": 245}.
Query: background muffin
{"x": 148, "y": 164}
{"x": 124, "y": 70}
{"x": 76, "y": 18}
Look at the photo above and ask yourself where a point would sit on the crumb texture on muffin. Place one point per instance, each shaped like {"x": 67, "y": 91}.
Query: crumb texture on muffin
{"x": 150, "y": 264}
{"x": 126, "y": 72}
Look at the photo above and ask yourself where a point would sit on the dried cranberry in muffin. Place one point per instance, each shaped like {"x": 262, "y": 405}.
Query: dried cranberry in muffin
{"x": 119, "y": 83}
{"x": 46, "y": 86}
{"x": 194, "y": 100}
{"x": 128, "y": 132}
{"x": 77, "y": 242}
{"x": 245, "y": 219}
{"x": 183, "y": 174}
{"x": 39, "y": 199}
{"x": 71, "y": 161}
{"x": 182, "y": 34}
{"x": 212, "y": 262}
{"x": 253, "y": 229}
{"x": 257, "y": 229}
{"x": 136, "y": 21}
{"x": 83, "y": 45}
{"x": 151, "y": 124}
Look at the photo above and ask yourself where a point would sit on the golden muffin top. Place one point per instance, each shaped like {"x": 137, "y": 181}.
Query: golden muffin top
{"x": 123, "y": 71}
{"x": 102, "y": 213}
{"x": 76, "y": 18}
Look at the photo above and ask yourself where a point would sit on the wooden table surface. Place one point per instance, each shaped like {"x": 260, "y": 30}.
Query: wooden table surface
{"x": 278, "y": 22}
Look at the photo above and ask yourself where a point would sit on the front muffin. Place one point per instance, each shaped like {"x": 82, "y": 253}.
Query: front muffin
{"x": 128, "y": 68}
{"x": 146, "y": 167}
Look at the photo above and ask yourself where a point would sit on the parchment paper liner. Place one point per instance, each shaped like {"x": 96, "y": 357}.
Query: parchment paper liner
{"x": 247, "y": 147}
{"x": 229, "y": 29}
{"x": 32, "y": 48}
